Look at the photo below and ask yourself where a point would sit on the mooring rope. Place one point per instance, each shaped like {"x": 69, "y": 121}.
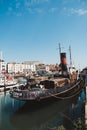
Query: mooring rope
{"x": 64, "y": 97}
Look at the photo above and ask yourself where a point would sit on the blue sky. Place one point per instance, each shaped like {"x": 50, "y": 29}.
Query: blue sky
{"x": 31, "y": 30}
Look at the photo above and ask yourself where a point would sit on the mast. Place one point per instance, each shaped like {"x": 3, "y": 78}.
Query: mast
{"x": 70, "y": 56}
{"x": 1, "y": 55}
{"x": 0, "y": 61}
{"x": 60, "y": 51}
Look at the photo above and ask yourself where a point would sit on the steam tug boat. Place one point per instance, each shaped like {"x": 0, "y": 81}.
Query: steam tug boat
{"x": 62, "y": 86}
{"x": 57, "y": 88}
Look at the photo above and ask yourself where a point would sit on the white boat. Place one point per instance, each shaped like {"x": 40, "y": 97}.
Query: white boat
{"x": 7, "y": 83}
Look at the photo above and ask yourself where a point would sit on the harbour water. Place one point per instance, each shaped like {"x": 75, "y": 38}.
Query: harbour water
{"x": 19, "y": 115}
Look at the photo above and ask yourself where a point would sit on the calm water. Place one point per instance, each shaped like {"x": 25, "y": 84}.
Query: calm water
{"x": 19, "y": 115}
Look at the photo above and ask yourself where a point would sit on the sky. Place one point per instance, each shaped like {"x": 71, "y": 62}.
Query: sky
{"x": 31, "y": 30}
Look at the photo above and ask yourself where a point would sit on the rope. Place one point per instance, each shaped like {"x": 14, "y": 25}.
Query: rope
{"x": 65, "y": 97}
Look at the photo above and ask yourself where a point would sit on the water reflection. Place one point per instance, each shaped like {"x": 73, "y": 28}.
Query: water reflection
{"x": 7, "y": 107}
{"x": 44, "y": 116}
{"x": 19, "y": 115}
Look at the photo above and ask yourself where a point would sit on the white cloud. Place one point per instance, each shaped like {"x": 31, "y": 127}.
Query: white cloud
{"x": 40, "y": 1}
{"x": 27, "y": 3}
{"x": 29, "y": 10}
{"x": 18, "y": 14}
{"x": 10, "y": 9}
{"x": 35, "y": 10}
{"x": 17, "y": 5}
{"x": 37, "y": 1}
{"x": 39, "y": 10}
{"x": 79, "y": 11}
{"x": 54, "y": 9}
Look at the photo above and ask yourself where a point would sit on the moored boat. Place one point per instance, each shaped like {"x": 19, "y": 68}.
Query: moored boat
{"x": 7, "y": 82}
{"x": 65, "y": 86}
{"x": 59, "y": 88}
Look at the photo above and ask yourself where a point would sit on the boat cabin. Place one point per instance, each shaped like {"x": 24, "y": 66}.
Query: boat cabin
{"x": 53, "y": 83}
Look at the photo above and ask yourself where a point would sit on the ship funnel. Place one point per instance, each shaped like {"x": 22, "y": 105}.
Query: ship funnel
{"x": 63, "y": 61}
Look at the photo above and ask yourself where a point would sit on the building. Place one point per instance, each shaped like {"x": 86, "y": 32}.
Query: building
{"x": 25, "y": 67}
{"x": 3, "y": 66}
{"x": 13, "y": 67}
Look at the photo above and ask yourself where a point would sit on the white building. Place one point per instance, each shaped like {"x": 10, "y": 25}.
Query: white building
{"x": 3, "y": 66}
{"x": 25, "y": 67}
{"x": 13, "y": 67}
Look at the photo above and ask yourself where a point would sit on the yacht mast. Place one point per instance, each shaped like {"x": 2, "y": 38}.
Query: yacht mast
{"x": 0, "y": 61}
{"x": 1, "y": 55}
